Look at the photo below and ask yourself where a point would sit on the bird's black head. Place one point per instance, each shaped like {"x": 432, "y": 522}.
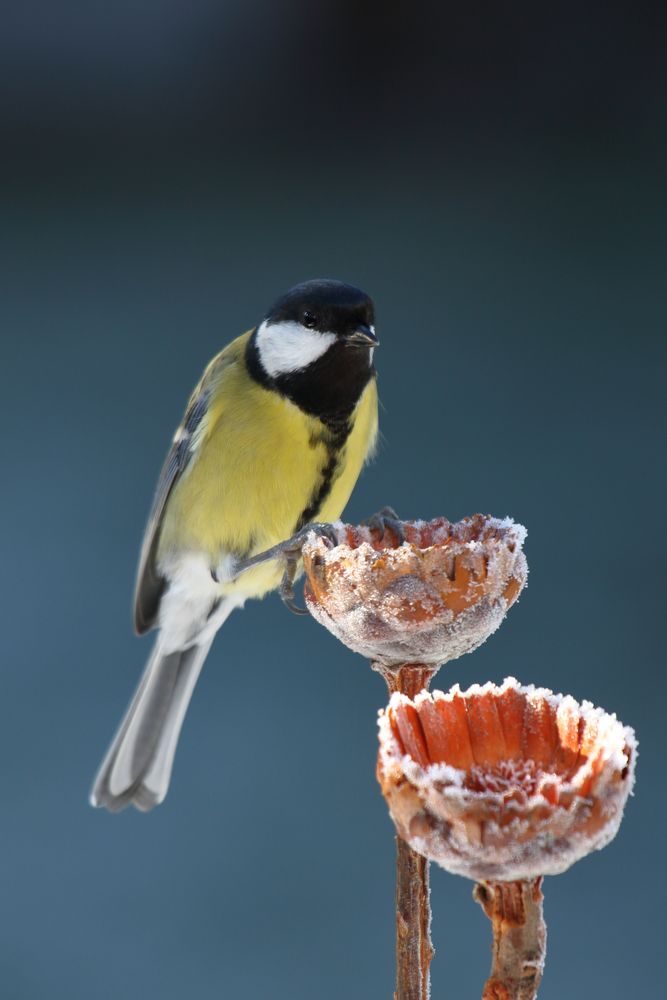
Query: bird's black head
{"x": 328, "y": 307}
{"x": 315, "y": 345}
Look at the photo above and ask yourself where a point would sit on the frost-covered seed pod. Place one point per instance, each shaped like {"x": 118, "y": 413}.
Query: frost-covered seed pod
{"x": 436, "y": 596}
{"x": 504, "y": 783}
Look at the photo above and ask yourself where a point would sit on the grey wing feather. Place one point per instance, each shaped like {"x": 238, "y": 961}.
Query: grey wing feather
{"x": 150, "y": 583}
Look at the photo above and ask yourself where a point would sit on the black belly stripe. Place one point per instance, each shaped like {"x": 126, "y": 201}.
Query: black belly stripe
{"x": 329, "y": 390}
{"x": 334, "y": 441}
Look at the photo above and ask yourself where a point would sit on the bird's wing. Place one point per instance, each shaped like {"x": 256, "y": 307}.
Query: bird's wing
{"x": 150, "y": 583}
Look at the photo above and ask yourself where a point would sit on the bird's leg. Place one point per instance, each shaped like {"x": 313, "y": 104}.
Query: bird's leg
{"x": 290, "y": 551}
{"x": 290, "y": 547}
{"x": 386, "y": 518}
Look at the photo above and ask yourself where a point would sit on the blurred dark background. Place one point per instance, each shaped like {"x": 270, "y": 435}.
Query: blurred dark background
{"x": 495, "y": 176}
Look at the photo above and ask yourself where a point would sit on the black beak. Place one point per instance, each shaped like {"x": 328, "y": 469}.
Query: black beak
{"x": 363, "y": 336}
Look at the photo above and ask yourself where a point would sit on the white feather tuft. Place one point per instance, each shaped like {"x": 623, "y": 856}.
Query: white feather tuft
{"x": 288, "y": 346}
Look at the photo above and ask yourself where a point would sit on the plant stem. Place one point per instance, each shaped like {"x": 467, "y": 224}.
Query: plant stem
{"x": 413, "y": 924}
{"x": 519, "y": 938}
{"x": 409, "y": 678}
{"x": 414, "y": 950}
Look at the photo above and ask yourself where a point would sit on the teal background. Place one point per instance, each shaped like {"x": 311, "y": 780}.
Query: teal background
{"x": 495, "y": 179}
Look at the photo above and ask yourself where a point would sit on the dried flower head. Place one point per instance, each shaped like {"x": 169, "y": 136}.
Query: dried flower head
{"x": 439, "y": 594}
{"x": 505, "y": 782}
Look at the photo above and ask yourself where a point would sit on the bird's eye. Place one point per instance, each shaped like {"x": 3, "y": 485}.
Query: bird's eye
{"x": 309, "y": 319}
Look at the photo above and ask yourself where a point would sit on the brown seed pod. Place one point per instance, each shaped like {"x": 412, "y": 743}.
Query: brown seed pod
{"x": 436, "y": 596}
{"x": 506, "y": 782}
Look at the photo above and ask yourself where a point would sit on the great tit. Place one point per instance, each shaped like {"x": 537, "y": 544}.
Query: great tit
{"x": 273, "y": 438}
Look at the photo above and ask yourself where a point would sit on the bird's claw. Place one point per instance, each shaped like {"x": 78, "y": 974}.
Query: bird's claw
{"x": 323, "y": 529}
{"x": 290, "y": 551}
{"x": 287, "y": 589}
{"x": 387, "y": 518}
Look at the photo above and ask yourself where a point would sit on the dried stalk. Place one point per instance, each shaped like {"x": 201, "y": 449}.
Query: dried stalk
{"x": 519, "y": 938}
{"x": 414, "y": 950}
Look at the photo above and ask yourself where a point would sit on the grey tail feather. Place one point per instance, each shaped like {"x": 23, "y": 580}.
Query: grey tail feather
{"x": 137, "y": 767}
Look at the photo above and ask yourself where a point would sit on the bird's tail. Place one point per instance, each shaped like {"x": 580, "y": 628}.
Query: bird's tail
{"x": 137, "y": 767}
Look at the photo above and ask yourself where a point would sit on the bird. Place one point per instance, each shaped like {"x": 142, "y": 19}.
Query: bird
{"x": 273, "y": 439}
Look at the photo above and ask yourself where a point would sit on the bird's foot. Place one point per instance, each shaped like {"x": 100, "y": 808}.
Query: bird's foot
{"x": 292, "y": 554}
{"x": 386, "y": 518}
{"x": 290, "y": 551}
{"x": 286, "y": 590}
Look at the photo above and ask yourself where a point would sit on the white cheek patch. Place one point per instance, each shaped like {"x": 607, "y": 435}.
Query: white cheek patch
{"x": 288, "y": 347}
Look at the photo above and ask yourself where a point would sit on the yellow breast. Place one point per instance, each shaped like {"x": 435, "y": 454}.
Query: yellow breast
{"x": 258, "y": 465}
